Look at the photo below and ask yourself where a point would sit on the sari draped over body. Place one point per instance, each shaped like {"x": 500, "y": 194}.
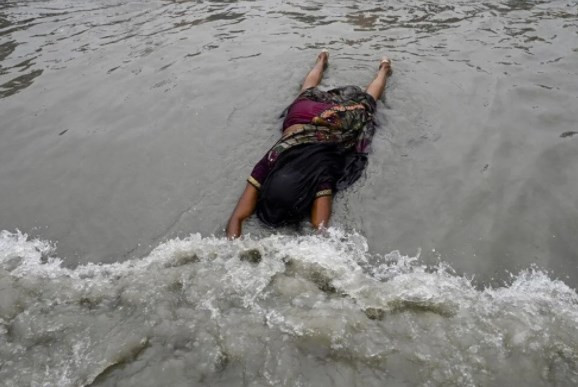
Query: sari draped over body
{"x": 326, "y": 155}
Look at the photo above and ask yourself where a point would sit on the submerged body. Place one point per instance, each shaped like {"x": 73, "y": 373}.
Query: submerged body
{"x": 323, "y": 148}
{"x": 323, "y": 155}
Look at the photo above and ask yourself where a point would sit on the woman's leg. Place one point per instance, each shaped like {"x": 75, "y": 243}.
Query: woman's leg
{"x": 314, "y": 77}
{"x": 377, "y": 86}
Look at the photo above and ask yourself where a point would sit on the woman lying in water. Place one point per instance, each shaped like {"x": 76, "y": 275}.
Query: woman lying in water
{"x": 323, "y": 149}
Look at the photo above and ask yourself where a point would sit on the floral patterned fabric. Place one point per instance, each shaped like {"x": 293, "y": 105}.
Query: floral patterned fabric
{"x": 349, "y": 122}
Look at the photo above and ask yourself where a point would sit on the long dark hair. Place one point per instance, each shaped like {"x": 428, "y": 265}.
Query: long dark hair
{"x": 288, "y": 192}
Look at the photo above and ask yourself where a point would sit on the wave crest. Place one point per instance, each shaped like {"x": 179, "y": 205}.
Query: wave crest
{"x": 276, "y": 310}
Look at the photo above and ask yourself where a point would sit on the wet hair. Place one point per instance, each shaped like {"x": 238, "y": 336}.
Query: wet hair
{"x": 288, "y": 192}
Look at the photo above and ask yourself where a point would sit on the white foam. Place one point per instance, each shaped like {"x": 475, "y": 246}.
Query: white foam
{"x": 194, "y": 299}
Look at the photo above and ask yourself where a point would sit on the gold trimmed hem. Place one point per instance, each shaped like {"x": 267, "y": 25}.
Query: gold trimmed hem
{"x": 325, "y": 192}
{"x": 251, "y": 180}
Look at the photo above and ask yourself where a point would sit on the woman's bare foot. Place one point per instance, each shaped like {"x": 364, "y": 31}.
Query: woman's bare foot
{"x": 314, "y": 76}
{"x": 323, "y": 57}
{"x": 385, "y": 64}
{"x": 377, "y": 86}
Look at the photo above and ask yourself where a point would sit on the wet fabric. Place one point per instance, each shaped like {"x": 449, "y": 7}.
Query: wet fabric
{"x": 302, "y": 111}
{"x": 347, "y": 122}
{"x": 326, "y": 155}
{"x": 290, "y": 189}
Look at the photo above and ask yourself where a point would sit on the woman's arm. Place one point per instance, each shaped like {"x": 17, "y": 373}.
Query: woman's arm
{"x": 321, "y": 212}
{"x": 245, "y": 207}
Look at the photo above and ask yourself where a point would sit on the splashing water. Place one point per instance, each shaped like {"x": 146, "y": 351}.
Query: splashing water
{"x": 282, "y": 310}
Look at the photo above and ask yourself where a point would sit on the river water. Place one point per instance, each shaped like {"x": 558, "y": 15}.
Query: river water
{"x": 127, "y": 129}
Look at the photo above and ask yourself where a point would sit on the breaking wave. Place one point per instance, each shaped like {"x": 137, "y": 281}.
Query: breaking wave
{"x": 281, "y": 310}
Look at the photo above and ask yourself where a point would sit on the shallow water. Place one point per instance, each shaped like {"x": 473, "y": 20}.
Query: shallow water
{"x": 128, "y": 124}
{"x": 282, "y": 310}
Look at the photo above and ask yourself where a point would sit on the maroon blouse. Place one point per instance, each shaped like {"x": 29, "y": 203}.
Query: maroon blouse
{"x": 302, "y": 111}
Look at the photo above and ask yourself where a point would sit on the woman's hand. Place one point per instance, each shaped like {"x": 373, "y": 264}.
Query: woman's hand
{"x": 245, "y": 207}
{"x": 321, "y": 212}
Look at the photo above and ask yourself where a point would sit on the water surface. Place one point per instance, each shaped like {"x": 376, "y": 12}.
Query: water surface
{"x": 128, "y": 124}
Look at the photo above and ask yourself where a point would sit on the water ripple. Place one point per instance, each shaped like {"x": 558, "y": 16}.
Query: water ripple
{"x": 417, "y": 28}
